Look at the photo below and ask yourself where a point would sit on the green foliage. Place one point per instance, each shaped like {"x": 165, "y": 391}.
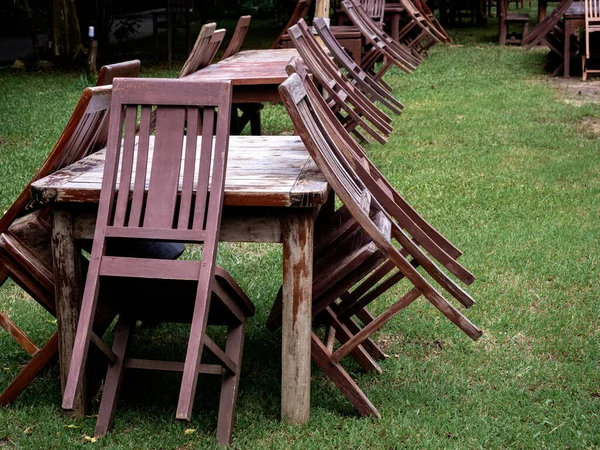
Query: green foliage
{"x": 493, "y": 155}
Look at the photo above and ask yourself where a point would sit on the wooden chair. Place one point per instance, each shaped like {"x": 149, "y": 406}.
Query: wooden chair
{"x": 175, "y": 208}
{"x": 365, "y": 82}
{"x": 423, "y": 8}
{"x": 325, "y": 144}
{"x": 505, "y": 20}
{"x": 592, "y": 25}
{"x": 299, "y": 13}
{"x": 25, "y": 239}
{"x": 383, "y": 46}
{"x": 345, "y": 97}
{"x": 207, "y": 44}
{"x": 375, "y": 9}
{"x": 127, "y": 69}
{"x": 550, "y": 32}
{"x": 250, "y": 111}
{"x": 419, "y": 33}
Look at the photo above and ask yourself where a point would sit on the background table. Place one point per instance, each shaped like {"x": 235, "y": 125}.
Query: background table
{"x": 273, "y": 192}
{"x": 254, "y": 74}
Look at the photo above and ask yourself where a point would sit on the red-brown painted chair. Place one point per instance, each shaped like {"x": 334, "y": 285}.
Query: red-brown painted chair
{"x": 25, "y": 239}
{"x": 423, "y": 8}
{"x": 419, "y": 33}
{"x": 250, "y": 111}
{"x": 383, "y": 46}
{"x": 207, "y": 44}
{"x": 126, "y": 69}
{"x": 365, "y": 82}
{"x": 592, "y": 25}
{"x": 299, "y": 12}
{"x": 336, "y": 281}
{"x": 346, "y": 98}
{"x": 168, "y": 200}
{"x": 324, "y": 144}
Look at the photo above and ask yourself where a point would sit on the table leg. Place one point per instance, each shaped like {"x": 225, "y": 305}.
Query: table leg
{"x": 296, "y": 317}
{"x": 567, "y": 49}
{"x": 68, "y": 290}
{"x": 395, "y": 26}
{"x": 542, "y": 8}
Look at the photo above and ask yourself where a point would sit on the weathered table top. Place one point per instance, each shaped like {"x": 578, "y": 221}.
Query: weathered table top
{"x": 575, "y": 11}
{"x": 261, "y": 171}
{"x": 250, "y": 67}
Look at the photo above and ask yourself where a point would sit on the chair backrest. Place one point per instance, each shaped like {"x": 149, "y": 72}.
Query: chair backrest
{"x": 344, "y": 94}
{"x": 84, "y": 133}
{"x": 299, "y": 13}
{"x": 238, "y": 37}
{"x": 592, "y": 11}
{"x": 422, "y": 6}
{"x": 402, "y": 57}
{"x": 375, "y": 9}
{"x": 169, "y": 184}
{"x": 355, "y": 195}
{"x": 421, "y": 20}
{"x": 126, "y": 69}
{"x": 207, "y": 44}
{"x": 361, "y": 78}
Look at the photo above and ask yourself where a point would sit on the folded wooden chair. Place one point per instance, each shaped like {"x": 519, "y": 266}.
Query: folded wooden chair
{"x": 365, "y": 82}
{"x": 250, "y": 111}
{"x": 550, "y": 32}
{"x": 324, "y": 143}
{"x": 423, "y": 8}
{"x": 346, "y": 98}
{"x": 25, "y": 238}
{"x": 300, "y": 12}
{"x": 375, "y": 9}
{"x": 419, "y": 33}
{"x": 180, "y": 203}
{"x": 207, "y": 44}
{"x": 383, "y": 46}
{"x": 592, "y": 25}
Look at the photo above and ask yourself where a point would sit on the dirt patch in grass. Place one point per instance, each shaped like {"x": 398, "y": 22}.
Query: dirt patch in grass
{"x": 589, "y": 127}
{"x": 575, "y": 91}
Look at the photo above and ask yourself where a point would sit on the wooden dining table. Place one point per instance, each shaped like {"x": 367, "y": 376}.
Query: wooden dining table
{"x": 254, "y": 74}
{"x": 273, "y": 193}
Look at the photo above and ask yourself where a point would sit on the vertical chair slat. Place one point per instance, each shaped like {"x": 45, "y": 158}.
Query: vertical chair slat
{"x": 208, "y": 123}
{"x": 126, "y": 165}
{"x": 187, "y": 185}
{"x": 141, "y": 167}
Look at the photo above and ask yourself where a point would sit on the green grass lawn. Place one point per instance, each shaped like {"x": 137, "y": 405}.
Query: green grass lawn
{"x": 492, "y": 155}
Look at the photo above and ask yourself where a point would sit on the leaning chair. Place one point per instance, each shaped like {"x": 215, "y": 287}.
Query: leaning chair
{"x": 176, "y": 194}
{"x": 592, "y": 25}
{"x": 25, "y": 239}
{"x": 325, "y": 143}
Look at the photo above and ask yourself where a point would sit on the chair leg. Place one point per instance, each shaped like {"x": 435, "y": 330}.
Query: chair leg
{"x": 114, "y": 377}
{"x": 18, "y": 335}
{"x": 229, "y": 385}
{"x": 30, "y": 371}
{"x": 255, "y": 127}
{"x": 341, "y": 379}
{"x": 583, "y": 69}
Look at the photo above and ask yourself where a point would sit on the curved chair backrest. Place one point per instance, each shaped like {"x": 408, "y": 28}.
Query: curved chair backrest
{"x": 326, "y": 151}
{"x": 126, "y": 69}
{"x": 299, "y": 13}
{"x": 206, "y": 46}
{"x": 366, "y": 83}
{"x": 345, "y": 95}
{"x": 375, "y": 9}
{"x": 238, "y": 37}
{"x": 84, "y": 133}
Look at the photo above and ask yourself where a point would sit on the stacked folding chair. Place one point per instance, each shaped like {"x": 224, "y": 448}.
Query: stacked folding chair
{"x": 375, "y": 240}
{"x": 25, "y": 239}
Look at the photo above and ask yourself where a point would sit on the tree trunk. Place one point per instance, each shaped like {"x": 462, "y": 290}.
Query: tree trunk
{"x": 66, "y": 34}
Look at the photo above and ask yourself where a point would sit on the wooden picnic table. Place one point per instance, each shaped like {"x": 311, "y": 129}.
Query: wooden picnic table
{"x": 273, "y": 192}
{"x": 255, "y": 74}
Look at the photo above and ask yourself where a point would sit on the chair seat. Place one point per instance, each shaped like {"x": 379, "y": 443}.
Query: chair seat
{"x": 166, "y": 301}
{"x": 517, "y": 18}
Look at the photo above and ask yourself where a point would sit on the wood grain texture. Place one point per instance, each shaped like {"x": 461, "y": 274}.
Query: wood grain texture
{"x": 296, "y": 328}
